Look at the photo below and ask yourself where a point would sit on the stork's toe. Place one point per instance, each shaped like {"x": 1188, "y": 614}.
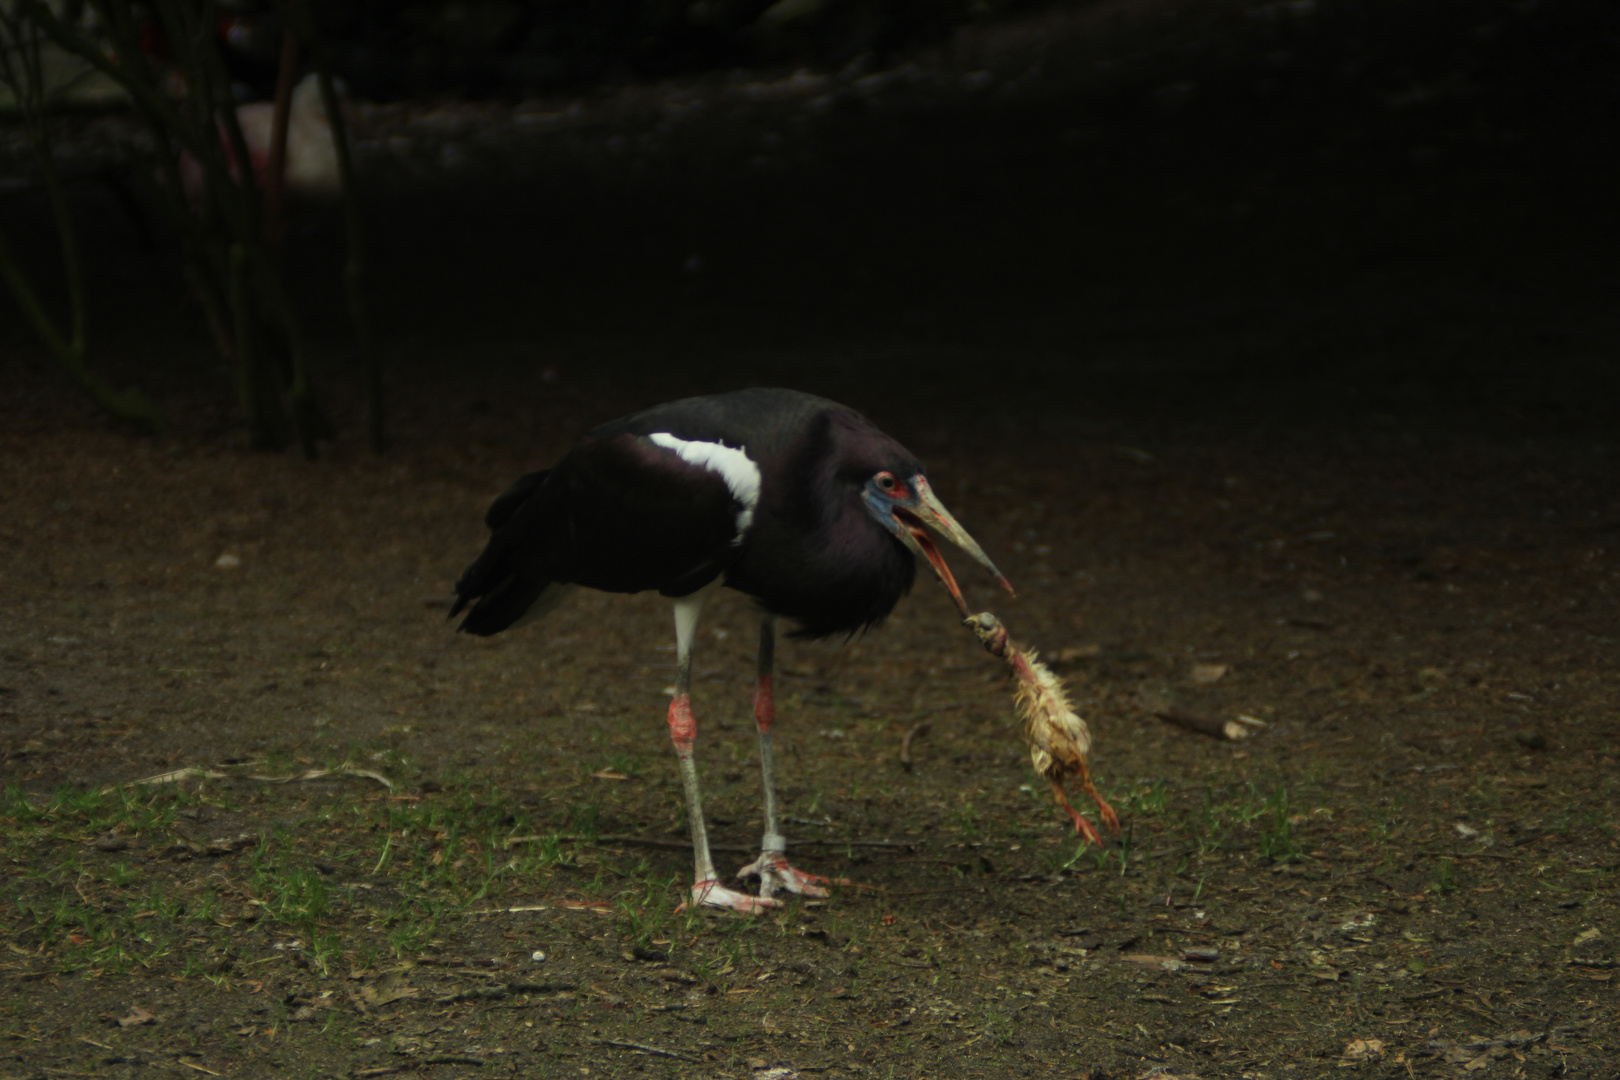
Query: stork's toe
{"x": 713, "y": 894}
{"x": 776, "y": 873}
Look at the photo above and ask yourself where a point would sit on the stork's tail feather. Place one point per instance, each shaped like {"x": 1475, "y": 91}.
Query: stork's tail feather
{"x": 507, "y": 504}
{"x": 505, "y": 583}
{"x": 498, "y": 608}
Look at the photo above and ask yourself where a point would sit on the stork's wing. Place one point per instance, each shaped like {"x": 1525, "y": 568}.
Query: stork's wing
{"x": 640, "y": 515}
{"x": 620, "y": 513}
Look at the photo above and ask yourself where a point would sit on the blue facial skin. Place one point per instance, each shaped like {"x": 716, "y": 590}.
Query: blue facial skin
{"x": 882, "y": 504}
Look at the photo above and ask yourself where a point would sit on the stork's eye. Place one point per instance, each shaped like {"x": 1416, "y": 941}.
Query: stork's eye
{"x": 885, "y": 481}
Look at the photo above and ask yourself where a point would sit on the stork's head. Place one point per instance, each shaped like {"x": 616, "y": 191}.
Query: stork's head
{"x": 903, "y": 504}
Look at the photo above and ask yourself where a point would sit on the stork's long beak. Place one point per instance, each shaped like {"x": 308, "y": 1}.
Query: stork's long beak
{"x": 905, "y": 517}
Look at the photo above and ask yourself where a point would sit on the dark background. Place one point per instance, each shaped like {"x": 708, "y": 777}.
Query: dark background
{"x": 1269, "y": 348}
{"x": 1362, "y": 201}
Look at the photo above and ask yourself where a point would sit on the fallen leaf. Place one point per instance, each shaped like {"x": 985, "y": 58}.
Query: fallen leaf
{"x": 1362, "y": 1049}
{"x": 1208, "y": 673}
{"x": 391, "y": 987}
{"x": 137, "y": 1016}
{"x": 1168, "y": 963}
{"x": 581, "y": 905}
{"x": 1160, "y": 1072}
{"x": 609, "y": 774}
{"x": 229, "y": 845}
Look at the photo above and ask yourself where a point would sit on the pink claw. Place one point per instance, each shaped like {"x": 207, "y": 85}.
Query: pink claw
{"x": 713, "y": 894}
{"x": 774, "y": 872}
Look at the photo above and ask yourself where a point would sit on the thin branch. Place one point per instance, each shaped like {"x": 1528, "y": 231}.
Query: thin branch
{"x": 28, "y": 87}
{"x": 299, "y": 15}
{"x": 275, "y": 168}
{"x": 625, "y": 1044}
{"x": 144, "y": 91}
{"x": 1202, "y": 723}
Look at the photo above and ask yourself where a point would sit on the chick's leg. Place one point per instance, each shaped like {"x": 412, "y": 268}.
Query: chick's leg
{"x": 706, "y": 887}
{"x": 772, "y": 868}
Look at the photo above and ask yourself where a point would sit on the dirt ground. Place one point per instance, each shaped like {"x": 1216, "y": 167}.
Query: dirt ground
{"x": 1296, "y": 404}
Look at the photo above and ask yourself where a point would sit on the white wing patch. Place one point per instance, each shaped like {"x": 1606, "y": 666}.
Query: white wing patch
{"x": 730, "y": 463}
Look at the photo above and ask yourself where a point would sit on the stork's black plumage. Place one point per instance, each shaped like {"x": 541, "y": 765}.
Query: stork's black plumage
{"x": 794, "y": 500}
{"x": 620, "y": 513}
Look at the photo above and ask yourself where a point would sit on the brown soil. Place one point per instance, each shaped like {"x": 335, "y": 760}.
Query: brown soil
{"x": 1309, "y": 428}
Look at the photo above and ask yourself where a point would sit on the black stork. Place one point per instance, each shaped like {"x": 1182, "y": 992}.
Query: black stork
{"x": 793, "y": 500}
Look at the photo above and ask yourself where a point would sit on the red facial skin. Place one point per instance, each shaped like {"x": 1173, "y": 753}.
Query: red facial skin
{"x": 764, "y": 703}
{"x": 682, "y": 724}
{"x": 896, "y": 489}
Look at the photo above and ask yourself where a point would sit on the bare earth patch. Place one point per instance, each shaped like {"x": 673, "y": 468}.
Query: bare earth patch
{"x": 1282, "y": 391}
{"x": 408, "y": 851}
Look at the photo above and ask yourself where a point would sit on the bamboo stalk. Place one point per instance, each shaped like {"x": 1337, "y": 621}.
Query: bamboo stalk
{"x": 275, "y": 170}
{"x": 354, "y": 269}
{"x": 255, "y": 382}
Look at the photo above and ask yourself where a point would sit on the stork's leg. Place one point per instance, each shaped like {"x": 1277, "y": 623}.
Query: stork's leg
{"x": 706, "y": 887}
{"x": 772, "y": 867}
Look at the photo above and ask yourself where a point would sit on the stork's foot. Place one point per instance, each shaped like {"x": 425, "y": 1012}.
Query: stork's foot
{"x": 713, "y": 894}
{"x": 775, "y": 874}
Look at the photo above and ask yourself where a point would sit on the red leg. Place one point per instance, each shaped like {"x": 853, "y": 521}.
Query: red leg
{"x": 772, "y": 868}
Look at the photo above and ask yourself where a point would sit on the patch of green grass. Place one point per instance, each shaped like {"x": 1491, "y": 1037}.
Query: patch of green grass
{"x": 541, "y": 855}
{"x": 1209, "y": 831}
{"x": 1276, "y": 839}
{"x": 296, "y": 896}
{"x": 1444, "y": 877}
{"x": 582, "y": 820}
{"x": 624, "y": 763}
{"x": 89, "y": 812}
{"x": 1267, "y": 814}
{"x": 410, "y": 928}
{"x": 76, "y": 909}
{"x": 997, "y": 1025}
{"x": 437, "y": 857}
{"x": 646, "y": 911}
{"x": 1144, "y": 797}
{"x": 1057, "y": 863}
{"x": 964, "y": 818}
